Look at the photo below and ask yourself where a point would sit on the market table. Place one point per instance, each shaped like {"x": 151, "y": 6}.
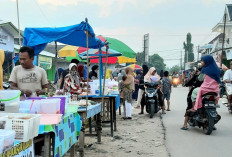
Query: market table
{"x": 114, "y": 106}
{"x": 92, "y": 110}
{"x": 64, "y": 135}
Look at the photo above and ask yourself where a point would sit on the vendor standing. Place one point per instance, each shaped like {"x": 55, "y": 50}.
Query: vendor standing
{"x": 29, "y": 79}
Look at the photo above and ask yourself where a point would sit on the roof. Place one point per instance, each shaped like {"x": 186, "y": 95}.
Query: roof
{"x": 51, "y": 48}
{"x": 9, "y": 27}
{"x": 229, "y": 10}
{"x": 216, "y": 38}
{"x": 43, "y": 53}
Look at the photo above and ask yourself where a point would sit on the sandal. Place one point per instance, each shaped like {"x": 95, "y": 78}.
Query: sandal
{"x": 168, "y": 110}
{"x": 137, "y": 107}
{"x": 141, "y": 113}
{"x": 184, "y": 128}
{"x": 163, "y": 112}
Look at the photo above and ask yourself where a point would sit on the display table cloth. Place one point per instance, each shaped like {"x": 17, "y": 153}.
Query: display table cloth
{"x": 92, "y": 110}
{"x": 66, "y": 132}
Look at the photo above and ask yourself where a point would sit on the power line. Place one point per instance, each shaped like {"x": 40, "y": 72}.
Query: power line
{"x": 45, "y": 17}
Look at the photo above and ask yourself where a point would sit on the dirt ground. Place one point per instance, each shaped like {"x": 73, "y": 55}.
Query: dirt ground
{"x": 140, "y": 136}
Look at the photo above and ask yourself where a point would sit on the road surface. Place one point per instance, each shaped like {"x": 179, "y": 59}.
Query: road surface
{"x": 193, "y": 142}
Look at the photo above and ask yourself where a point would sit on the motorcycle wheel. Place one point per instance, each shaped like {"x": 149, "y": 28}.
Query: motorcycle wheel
{"x": 221, "y": 93}
{"x": 208, "y": 126}
{"x": 152, "y": 110}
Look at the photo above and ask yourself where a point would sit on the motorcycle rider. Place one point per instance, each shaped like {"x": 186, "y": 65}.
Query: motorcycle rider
{"x": 211, "y": 82}
{"x": 147, "y": 78}
{"x": 228, "y": 78}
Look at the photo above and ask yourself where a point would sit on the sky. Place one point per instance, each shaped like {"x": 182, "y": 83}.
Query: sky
{"x": 166, "y": 21}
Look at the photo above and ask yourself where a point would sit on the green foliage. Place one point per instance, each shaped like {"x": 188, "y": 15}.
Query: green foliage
{"x": 175, "y": 68}
{"x": 154, "y": 61}
{"x": 139, "y": 58}
{"x": 188, "y": 48}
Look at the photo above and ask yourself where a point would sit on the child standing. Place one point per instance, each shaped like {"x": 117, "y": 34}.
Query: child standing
{"x": 167, "y": 85}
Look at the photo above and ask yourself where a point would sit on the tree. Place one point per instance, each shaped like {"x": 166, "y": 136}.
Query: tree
{"x": 175, "y": 68}
{"x": 188, "y": 48}
{"x": 140, "y": 58}
{"x": 154, "y": 61}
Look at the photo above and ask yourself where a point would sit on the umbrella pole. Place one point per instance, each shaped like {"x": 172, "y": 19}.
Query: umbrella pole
{"x": 104, "y": 81}
{"x": 87, "y": 45}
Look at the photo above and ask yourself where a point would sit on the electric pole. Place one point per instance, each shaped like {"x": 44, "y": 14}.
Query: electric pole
{"x": 180, "y": 60}
{"x": 223, "y": 41}
{"x": 198, "y": 53}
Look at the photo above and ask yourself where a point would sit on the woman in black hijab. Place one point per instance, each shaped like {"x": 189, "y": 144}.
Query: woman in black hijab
{"x": 93, "y": 75}
{"x": 141, "y": 86}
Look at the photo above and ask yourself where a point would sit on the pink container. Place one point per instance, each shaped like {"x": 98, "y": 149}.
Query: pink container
{"x": 49, "y": 119}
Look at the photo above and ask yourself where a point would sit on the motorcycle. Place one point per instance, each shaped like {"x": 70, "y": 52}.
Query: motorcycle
{"x": 175, "y": 81}
{"x": 151, "y": 97}
{"x": 222, "y": 89}
{"x": 206, "y": 116}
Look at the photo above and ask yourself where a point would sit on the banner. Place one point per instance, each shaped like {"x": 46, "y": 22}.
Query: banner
{"x": 23, "y": 149}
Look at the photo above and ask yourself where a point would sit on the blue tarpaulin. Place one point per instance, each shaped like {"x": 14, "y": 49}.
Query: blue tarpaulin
{"x": 75, "y": 35}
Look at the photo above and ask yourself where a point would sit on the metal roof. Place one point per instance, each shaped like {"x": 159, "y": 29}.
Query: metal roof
{"x": 10, "y": 28}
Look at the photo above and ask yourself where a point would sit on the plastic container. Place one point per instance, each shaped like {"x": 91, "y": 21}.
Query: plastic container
{"x": 49, "y": 119}
{"x": 62, "y": 103}
{"x": 11, "y": 100}
{"x": 9, "y": 137}
{"x": 26, "y": 126}
{"x": 72, "y": 108}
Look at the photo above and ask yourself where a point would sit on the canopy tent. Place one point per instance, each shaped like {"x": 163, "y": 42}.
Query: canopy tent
{"x": 75, "y": 35}
{"x": 135, "y": 66}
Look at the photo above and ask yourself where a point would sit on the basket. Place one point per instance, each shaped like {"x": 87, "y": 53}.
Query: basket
{"x": 25, "y": 129}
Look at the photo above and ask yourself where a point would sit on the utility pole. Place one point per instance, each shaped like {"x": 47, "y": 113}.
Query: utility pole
{"x": 180, "y": 60}
{"x": 146, "y": 48}
{"x": 223, "y": 41}
{"x": 198, "y": 53}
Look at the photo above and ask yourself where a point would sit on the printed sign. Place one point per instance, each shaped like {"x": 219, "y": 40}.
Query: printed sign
{"x": 23, "y": 149}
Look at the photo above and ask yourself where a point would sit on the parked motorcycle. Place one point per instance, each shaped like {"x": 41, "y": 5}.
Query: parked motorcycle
{"x": 151, "y": 97}
{"x": 207, "y": 115}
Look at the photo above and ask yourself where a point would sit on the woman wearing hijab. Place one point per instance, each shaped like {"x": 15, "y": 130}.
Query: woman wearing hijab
{"x": 127, "y": 87}
{"x": 210, "y": 75}
{"x": 137, "y": 78}
{"x": 211, "y": 79}
{"x": 141, "y": 85}
{"x": 93, "y": 74}
{"x": 147, "y": 78}
{"x": 72, "y": 82}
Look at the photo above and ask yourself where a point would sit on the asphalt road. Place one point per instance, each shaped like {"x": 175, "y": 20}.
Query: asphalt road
{"x": 193, "y": 142}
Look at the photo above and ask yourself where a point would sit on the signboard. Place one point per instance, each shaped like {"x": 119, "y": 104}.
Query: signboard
{"x": 23, "y": 149}
{"x": 6, "y": 41}
{"x": 45, "y": 62}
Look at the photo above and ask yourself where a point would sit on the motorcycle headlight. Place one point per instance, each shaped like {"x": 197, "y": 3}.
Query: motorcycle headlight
{"x": 150, "y": 94}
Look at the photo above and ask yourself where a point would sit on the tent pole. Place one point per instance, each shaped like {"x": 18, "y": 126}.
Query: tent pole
{"x": 104, "y": 81}
{"x": 57, "y": 73}
{"x": 87, "y": 46}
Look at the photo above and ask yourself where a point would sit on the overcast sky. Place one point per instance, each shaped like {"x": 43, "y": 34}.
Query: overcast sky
{"x": 167, "y": 21}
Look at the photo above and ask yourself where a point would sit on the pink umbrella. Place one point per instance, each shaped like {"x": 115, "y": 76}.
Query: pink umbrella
{"x": 223, "y": 66}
